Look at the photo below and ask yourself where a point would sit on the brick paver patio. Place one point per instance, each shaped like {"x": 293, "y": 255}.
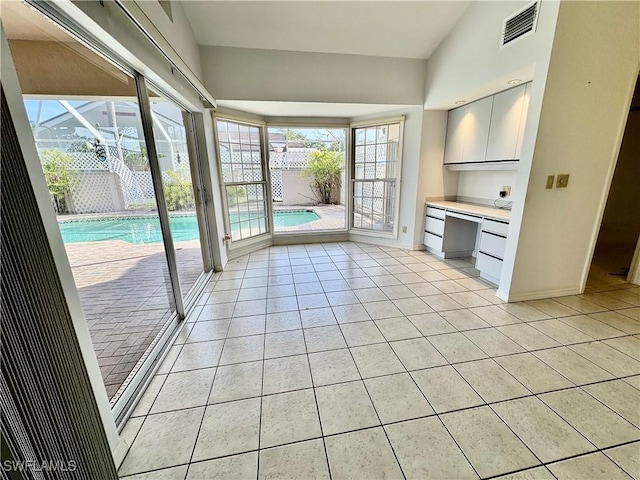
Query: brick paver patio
{"x": 126, "y": 297}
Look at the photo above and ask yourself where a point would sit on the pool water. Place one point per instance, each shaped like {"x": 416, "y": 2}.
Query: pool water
{"x": 147, "y": 229}
{"x": 293, "y": 218}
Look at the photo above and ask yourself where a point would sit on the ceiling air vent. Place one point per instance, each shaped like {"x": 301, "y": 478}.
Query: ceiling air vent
{"x": 521, "y": 23}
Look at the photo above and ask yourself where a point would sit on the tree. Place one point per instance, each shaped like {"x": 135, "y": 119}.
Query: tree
{"x": 56, "y": 166}
{"x": 325, "y": 173}
{"x": 332, "y": 143}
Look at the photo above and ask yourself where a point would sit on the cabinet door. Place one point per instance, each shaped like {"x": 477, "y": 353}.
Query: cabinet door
{"x": 523, "y": 118}
{"x": 505, "y": 124}
{"x": 476, "y": 127}
{"x": 455, "y": 136}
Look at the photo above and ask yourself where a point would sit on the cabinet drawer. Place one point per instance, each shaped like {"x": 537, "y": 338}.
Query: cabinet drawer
{"x": 433, "y": 241}
{"x": 436, "y": 212}
{"x": 492, "y": 244}
{"x": 495, "y": 227}
{"x": 434, "y": 225}
{"x": 489, "y": 265}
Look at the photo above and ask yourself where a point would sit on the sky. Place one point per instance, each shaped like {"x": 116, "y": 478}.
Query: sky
{"x": 50, "y": 108}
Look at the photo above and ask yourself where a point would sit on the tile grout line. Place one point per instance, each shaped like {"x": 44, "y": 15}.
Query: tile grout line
{"x": 315, "y": 397}
{"x": 436, "y": 413}
{"x": 204, "y": 412}
{"x": 381, "y": 425}
{"x": 463, "y": 307}
{"x": 264, "y": 349}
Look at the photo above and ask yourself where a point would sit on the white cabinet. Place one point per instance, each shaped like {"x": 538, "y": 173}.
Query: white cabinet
{"x": 476, "y": 130}
{"x": 490, "y": 268}
{"x": 451, "y": 233}
{"x": 493, "y": 241}
{"x": 523, "y": 120}
{"x": 488, "y": 130}
{"x": 506, "y": 122}
{"x": 455, "y": 136}
{"x": 434, "y": 228}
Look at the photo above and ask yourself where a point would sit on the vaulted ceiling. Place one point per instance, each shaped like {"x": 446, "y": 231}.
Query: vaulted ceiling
{"x": 406, "y": 29}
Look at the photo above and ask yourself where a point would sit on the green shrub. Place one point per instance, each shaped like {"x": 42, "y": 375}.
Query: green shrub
{"x": 236, "y": 195}
{"x": 178, "y": 192}
{"x": 56, "y": 166}
{"x": 325, "y": 173}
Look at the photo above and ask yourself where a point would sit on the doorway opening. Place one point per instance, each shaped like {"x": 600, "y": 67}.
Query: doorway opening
{"x": 620, "y": 228}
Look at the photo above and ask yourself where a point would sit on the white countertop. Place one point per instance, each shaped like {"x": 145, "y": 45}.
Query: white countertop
{"x": 483, "y": 210}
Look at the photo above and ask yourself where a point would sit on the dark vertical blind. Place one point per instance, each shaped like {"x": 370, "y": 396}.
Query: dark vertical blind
{"x": 50, "y": 418}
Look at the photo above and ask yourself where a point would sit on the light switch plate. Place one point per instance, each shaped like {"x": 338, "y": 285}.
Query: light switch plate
{"x": 563, "y": 180}
{"x": 550, "y": 181}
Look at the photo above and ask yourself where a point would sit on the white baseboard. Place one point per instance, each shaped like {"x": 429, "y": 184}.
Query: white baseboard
{"x": 435, "y": 252}
{"x": 310, "y": 237}
{"x": 521, "y": 297}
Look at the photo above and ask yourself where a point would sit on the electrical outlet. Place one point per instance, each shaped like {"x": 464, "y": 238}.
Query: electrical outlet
{"x": 563, "y": 180}
{"x": 503, "y": 193}
{"x": 550, "y": 181}
{"x": 404, "y": 229}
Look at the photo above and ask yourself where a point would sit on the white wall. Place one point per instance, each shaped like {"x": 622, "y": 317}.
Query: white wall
{"x": 469, "y": 63}
{"x": 593, "y": 69}
{"x": 484, "y": 187}
{"x": 274, "y": 75}
{"x": 436, "y": 183}
{"x": 176, "y": 31}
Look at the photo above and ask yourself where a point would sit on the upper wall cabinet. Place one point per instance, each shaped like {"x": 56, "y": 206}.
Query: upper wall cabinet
{"x": 476, "y": 123}
{"x": 454, "y": 144}
{"x": 507, "y": 124}
{"x": 488, "y": 130}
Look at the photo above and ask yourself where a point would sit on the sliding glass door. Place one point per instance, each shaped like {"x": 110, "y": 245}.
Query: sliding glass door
{"x": 126, "y": 214}
{"x": 181, "y": 180}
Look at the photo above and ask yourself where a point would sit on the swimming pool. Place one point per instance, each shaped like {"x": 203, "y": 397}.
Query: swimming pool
{"x": 140, "y": 230}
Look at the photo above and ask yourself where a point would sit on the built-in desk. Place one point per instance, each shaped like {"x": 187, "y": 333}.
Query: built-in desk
{"x": 455, "y": 229}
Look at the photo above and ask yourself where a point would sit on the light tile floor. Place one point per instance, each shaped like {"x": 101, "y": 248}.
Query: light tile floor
{"x": 347, "y": 360}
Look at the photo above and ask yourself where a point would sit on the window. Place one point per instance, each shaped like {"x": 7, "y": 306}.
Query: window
{"x": 243, "y": 177}
{"x": 307, "y": 171}
{"x": 377, "y": 155}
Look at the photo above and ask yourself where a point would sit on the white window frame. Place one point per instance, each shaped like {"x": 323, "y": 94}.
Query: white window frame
{"x": 245, "y": 242}
{"x": 398, "y": 178}
{"x": 291, "y": 123}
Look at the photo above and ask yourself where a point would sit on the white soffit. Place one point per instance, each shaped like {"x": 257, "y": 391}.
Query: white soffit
{"x": 405, "y": 29}
{"x": 309, "y": 109}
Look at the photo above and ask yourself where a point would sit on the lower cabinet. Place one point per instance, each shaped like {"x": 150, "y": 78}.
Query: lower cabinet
{"x": 493, "y": 240}
{"x": 453, "y": 234}
{"x": 432, "y": 240}
{"x": 490, "y": 267}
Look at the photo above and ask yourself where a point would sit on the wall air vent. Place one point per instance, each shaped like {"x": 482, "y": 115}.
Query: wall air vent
{"x": 521, "y": 23}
